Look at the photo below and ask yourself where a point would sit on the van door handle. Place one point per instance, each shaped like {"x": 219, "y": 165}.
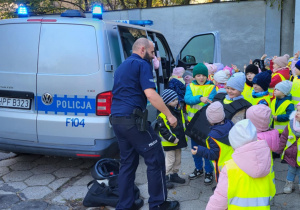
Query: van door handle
{"x": 109, "y": 67}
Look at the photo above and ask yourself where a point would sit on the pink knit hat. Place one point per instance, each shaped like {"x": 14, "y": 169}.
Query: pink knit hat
{"x": 215, "y": 112}
{"x": 211, "y": 68}
{"x": 178, "y": 71}
{"x": 282, "y": 61}
{"x": 260, "y": 116}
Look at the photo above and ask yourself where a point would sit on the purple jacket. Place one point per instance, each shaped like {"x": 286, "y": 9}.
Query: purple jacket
{"x": 290, "y": 155}
{"x": 271, "y": 137}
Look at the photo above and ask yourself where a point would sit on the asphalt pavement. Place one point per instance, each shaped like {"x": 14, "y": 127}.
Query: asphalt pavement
{"x": 59, "y": 183}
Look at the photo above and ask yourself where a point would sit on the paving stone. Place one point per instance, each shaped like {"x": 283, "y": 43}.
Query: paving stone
{"x": 287, "y": 201}
{"x": 17, "y": 185}
{"x": 140, "y": 178}
{"x": 84, "y": 180}
{"x": 48, "y": 160}
{"x": 280, "y": 175}
{"x": 44, "y": 169}
{"x": 26, "y": 205}
{"x": 4, "y": 170}
{"x": 183, "y": 193}
{"x": 8, "y": 162}
{"x": 6, "y": 201}
{"x": 37, "y": 192}
{"x": 74, "y": 192}
{"x": 40, "y": 179}
{"x": 57, "y": 207}
{"x": 7, "y": 188}
{"x": 23, "y": 166}
{"x": 2, "y": 192}
{"x": 58, "y": 183}
{"x": 5, "y": 155}
{"x": 27, "y": 157}
{"x": 16, "y": 176}
{"x": 144, "y": 191}
{"x": 67, "y": 172}
{"x": 193, "y": 204}
{"x": 66, "y": 163}
{"x": 59, "y": 199}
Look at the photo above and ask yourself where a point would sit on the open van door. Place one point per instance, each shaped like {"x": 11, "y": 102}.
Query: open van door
{"x": 203, "y": 47}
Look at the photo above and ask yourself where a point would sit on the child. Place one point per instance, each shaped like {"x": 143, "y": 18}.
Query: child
{"x": 218, "y": 148}
{"x": 187, "y": 77}
{"x": 260, "y": 92}
{"x": 289, "y": 147}
{"x": 295, "y": 92}
{"x": 173, "y": 139}
{"x": 281, "y": 106}
{"x": 245, "y": 180}
{"x": 250, "y": 71}
{"x": 177, "y": 84}
{"x": 260, "y": 116}
{"x": 280, "y": 72}
{"x": 221, "y": 79}
{"x": 211, "y": 71}
{"x": 199, "y": 93}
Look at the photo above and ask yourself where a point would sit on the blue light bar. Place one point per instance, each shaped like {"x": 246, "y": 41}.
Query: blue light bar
{"x": 97, "y": 11}
{"x": 137, "y": 22}
{"x": 22, "y": 11}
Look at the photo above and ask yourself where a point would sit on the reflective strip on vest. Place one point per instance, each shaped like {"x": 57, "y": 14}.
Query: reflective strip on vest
{"x": 250, "y": 202}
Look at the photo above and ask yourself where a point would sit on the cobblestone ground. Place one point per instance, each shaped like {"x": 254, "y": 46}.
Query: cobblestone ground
{"x": 54, "y": 183}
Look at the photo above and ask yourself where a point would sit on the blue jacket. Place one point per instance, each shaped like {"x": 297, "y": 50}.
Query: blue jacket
{"x": 217, "y": 132}
{"x": 192, "y": 100}
{"x": 289, "y": 109}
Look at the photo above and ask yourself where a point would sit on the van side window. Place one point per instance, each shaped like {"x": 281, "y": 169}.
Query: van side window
{"x": 198, "y": 49}
{"x": 71, "y": 48}
{"x": 128, "y": 37}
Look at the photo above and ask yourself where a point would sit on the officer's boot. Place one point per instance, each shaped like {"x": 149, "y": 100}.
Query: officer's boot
{"x": 169, "y": 205}
{"x": 168, "y": 183}
{"x": 175, "y": 178}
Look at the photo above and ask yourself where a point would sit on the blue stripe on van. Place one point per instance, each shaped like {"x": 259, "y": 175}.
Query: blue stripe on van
{"x": 68, "y": 105}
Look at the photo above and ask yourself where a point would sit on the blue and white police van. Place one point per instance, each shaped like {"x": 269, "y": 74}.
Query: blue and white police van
{"x": 56, "y": 77}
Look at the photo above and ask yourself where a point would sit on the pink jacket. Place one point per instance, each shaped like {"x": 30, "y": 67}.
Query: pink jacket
{"x": 271, "y": 137}
{"x": 254, "y": 159}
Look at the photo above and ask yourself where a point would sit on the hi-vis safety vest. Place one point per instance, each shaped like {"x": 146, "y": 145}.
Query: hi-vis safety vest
{"x": 295, "y": 92}
{"x": 211, "y": 77}
{"x": 203, "y": 90}
{"x": 245, "y": 192}
{"x": 164, "y": 142}
{"x": 290, "y": 142}
{"x": 271, "y": 90}
{"x": 225, "y": 155}
{"x": 280, "y": 110}
{"x": 255, "y": 101}
{"x": 247, "y": 93}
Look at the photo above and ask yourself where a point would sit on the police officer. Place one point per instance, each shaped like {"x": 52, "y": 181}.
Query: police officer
{"x": 133, "y": 85}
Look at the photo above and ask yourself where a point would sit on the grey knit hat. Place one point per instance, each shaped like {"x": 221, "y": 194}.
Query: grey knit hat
{"x": 168, "y": 95}
{"x": 284, "y": 86}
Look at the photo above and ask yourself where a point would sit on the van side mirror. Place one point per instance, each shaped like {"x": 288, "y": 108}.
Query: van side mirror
{"x": 189, "y": 59}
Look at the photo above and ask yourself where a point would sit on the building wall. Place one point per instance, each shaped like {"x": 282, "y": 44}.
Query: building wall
{"x": 248, "y": 29}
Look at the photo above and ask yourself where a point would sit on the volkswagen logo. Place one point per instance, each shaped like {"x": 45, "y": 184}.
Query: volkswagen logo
{"x": 47, "y": 99}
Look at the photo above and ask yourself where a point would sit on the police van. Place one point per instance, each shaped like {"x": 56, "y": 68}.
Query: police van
{"x": 56, "y": 77}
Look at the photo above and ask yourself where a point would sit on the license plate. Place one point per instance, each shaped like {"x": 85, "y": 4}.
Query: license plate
{"x": 17, "y": 103}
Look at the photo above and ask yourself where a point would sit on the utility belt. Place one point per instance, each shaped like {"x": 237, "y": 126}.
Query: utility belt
{"x": 138, "y": 118}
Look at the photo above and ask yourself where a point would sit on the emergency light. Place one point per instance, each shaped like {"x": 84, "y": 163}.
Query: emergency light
{"x": 97, "y": 11}
{"x": 22, "y": 11}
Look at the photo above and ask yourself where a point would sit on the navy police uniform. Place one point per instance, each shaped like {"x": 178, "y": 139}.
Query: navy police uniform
{"x": 131, "y": 78}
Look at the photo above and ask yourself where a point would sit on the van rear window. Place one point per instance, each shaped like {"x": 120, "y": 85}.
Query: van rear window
{"x": 19, "y": 47}
{"x": 68, "y": 49}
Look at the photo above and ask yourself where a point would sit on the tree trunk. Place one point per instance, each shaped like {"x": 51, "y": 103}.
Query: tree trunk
{"x": 123, "y": 4}
{"x": 149, "y": 3}
{"x": 110, "y": 5}
{"x": 86, "y": 5}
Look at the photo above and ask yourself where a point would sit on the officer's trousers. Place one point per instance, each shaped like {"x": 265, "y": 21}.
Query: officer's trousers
{"x": 133, "y": 143}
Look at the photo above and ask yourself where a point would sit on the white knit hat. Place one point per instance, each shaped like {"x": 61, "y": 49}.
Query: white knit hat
{"x": 243, "y": 132}
{"x": 221, "y": 77}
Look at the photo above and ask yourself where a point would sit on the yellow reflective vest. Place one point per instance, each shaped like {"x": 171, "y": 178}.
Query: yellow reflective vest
{"x": 164, "y": 142}
{"x": 290, "y": 142}
{"x": 245, "y": 192}
{"x": 203, "y": 90}
{"x": 247, "y": 93}
{"x": 255, "y": 101}
{"x": 280, "y": 110}
{"x": 225, "y": 155}
{"x": 295, "y": 92}
{"x": 271, "y": 90}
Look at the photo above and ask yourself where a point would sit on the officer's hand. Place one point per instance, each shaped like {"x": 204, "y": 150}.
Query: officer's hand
{"x": 173, "y": 121}
{"x": 194, "y": 151}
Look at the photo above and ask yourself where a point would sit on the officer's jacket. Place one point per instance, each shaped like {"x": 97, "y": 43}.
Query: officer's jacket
{"x": 169, "y": 133}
